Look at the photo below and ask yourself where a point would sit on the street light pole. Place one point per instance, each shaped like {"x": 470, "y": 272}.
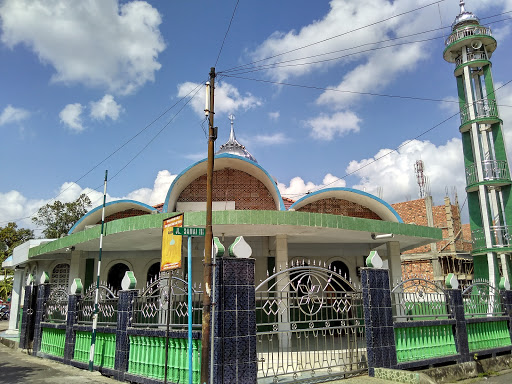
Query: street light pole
{"x": 208, "y": 240}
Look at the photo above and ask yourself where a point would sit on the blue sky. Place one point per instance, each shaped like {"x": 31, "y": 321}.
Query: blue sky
{"x": 80, "y": 78}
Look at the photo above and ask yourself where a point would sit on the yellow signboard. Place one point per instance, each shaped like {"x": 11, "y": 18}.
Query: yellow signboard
{"x": 171, "y": 244}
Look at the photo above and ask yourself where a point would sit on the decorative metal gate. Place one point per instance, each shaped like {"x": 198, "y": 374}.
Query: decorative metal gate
{"x": 310, "y": 326}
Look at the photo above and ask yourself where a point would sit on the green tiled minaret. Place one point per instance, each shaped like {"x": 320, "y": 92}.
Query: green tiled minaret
{"x": 488, "y": 184}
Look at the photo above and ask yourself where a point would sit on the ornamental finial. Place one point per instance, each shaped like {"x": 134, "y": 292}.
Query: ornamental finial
{"x": 462, "y": 3}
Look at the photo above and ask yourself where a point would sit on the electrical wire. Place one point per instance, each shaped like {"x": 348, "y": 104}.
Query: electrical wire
{"x": 196, "y": 89}
{"x": 227, "y": 31}
{"x": 390, "y": 152}
{"x": 247, "y": 69}
{"x": 346, "y": 33}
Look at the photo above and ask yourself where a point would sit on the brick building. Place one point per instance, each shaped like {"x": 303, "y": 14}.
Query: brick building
{"x": 449, "y": 255}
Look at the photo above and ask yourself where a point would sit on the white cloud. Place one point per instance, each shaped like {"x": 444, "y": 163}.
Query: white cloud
{"x": 196, "y": 156}
{"x": 99, "y": 43}
{"x": 13, "y": 205}
{"x": 451, "y": 104}
{"x": 274, "y": 139}
{"x": 299, "y": 188}
{"x": 13, "y": 115}
{"x": 71, "y": 117}
{"x": 394, "y": 171}
{"x": 156, "y": 195}
{"x": 326, "y": 127}
{"x": 106, "y": 107}
{"x": 274, "y": 115}
{"x": 227, "y": 98}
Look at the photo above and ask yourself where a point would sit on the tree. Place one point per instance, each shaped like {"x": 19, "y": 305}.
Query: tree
{"x": 10, "y": 238}
{"x": 58, "y": 218}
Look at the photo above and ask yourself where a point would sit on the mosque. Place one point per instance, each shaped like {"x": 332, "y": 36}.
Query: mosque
{"x": 336, "y": 227}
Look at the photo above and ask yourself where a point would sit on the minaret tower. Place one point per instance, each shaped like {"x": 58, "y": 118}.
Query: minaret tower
{"x": 488, "y": 183}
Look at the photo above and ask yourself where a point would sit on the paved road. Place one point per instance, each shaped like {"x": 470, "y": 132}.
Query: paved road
{"x": 505, "y": 377}
{"x": 17, "y": 367}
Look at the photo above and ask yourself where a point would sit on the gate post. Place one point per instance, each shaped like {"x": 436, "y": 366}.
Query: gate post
{"x": 235, "y": 322}
{"x": 27, "y": 315}
{"x": 124, "y": 320}
{"x": 73, "y": 300}
{"x": 456, "y": 305}
{"x": 506, "y": 299}
{"x": 378, "y": 315}
{"x": 43, "y": 292}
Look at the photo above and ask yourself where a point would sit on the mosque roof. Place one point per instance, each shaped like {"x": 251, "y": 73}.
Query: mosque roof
{"x": 464, "y": 17}
{"x": 233, "y": 147}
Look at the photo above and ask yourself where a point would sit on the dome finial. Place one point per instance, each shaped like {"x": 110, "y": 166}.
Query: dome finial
{"x": 462, "y": 3}
{"x": 232, "y": 136}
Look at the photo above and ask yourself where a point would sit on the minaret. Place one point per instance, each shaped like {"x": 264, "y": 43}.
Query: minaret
{"x": 488, "y": 183}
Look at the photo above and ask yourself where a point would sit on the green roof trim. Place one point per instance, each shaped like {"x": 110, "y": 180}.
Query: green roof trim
{"x": 241, "y": 218}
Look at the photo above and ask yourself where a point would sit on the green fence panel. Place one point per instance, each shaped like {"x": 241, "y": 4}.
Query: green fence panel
{"x": 53, "y": 341}
{"x": 147, "y": 358}
{"x": 421, "y": 343}
{"x": 488, "y": 335}
{"x": 104, "y": 349}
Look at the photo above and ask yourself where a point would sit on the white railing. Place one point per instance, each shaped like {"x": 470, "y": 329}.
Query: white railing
{"x": 472, "y": 56}
{"x": 492, "y": 170}
{"x": 474, "y": 30}
{"x": 482, "y": 108}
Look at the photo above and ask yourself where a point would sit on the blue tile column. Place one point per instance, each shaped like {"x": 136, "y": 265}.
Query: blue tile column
{"x": 26, "y": 318}
{"x": 454, "y": 299}
{"x": 43, "y": 292}
{"x": 378, "y": 319}
{"x": 124, "y": 320}
{"x": 235, "y": 322}
{"x": 69, "y": 347}
{"x": 506, "y": 299}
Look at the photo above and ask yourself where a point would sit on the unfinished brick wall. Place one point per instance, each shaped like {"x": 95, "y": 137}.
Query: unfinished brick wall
{"x": 420, "y": 268}
{"x": 340, "y": 207}
{"x": 245, "y": 190}
{"x": 124, "y": 214}
{"x": 415, "y": 212}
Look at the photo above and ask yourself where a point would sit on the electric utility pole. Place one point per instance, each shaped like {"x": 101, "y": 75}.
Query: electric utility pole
{"x": 208, "y": 240}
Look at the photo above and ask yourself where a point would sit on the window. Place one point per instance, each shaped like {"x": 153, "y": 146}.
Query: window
{"x": 60, "y": 275}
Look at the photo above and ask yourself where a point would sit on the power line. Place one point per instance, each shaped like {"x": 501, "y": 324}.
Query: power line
{"x": 117, "y": 150}
{"x": 390, "y": 152}
{"x": 227, "y": 31}
{"x": 344, "y": 33}
{"x": 246, "y": 68}
{"x": 346, "y": 91}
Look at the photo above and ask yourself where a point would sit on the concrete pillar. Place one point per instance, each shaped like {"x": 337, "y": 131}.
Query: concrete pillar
{"x": 394, "y": 264}
{"x": 17, "y": 287}
{"x": 74, "y": 267}
{"x": 282, "y": 285}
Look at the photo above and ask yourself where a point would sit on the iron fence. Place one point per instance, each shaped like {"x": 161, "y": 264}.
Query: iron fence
{"x": 56, "y": 306}
{"x": 482, "y": 300}
{"x": 419, "y": 299}
{"x": 107, "y": 305}
{"x": 151, "y": 306}
{"x": 310, "y": 326}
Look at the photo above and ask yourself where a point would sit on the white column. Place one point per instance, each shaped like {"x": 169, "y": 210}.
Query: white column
{"x": 17, "y": 286}
{"x": 282, "y": 286}
{"x": 74, "y": 267}
{"x": 394, "y": 263}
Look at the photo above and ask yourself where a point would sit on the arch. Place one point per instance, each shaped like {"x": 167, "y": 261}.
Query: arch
{"x": 382, "y": 209}
{"x": 221, "y": 162}
{"x": 153, "y": 272}
{"x": 94, "y": 216}
{"x": 115, "y": 275}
